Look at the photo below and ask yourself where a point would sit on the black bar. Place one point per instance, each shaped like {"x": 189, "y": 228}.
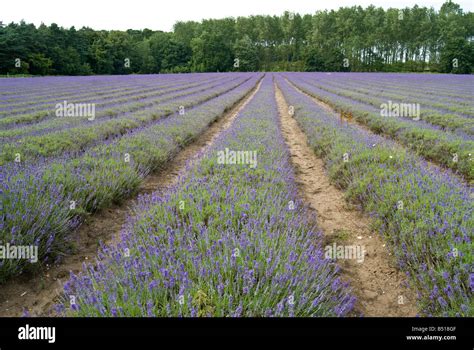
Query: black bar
{"x": 368, "y": 331}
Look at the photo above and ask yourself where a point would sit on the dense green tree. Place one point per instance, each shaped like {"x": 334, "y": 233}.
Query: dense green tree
{"x": 347, "y": 39}
{"x": 213, "y": 47}
{"x": 246, "y": 55}
{"x": 39, "y": 64}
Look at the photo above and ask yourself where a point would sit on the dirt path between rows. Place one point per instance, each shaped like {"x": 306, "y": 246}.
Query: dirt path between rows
{"x": 37, "y": 294}
{"x": 376, "y": 282}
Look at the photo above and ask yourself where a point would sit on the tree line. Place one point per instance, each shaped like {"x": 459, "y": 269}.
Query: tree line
{"x": 413, "y": 39}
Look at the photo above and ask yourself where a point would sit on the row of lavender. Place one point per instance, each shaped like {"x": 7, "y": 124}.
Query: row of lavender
{"x": 225, "y": 241}
{"x": 136, "y": 106}
{"x": 425, "y": 215}
{"x": 375, "y": 97}
{"x": 443, "y": 86}
{"x": 76, "y": 136}
{"x": 107, "y": 103}
{"x": 452, "y": 151}
{"x": 30, "y": 96}
{"x": 453, "y": 116}
{"x": 445, "y": 92}
{"x": 41, "y": 203}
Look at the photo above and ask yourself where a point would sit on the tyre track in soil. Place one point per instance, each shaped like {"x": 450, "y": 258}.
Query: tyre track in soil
{"x": 376, "y": 282}
{"x": 38, "y": 293}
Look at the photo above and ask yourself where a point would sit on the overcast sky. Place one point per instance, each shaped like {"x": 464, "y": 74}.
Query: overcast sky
{"x": 161, "y": 15}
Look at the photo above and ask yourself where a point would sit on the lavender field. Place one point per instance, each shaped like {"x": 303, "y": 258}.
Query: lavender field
{"x": 212, "y": 208}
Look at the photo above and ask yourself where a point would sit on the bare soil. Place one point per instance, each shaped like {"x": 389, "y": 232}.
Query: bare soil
{"x": 37, "y": 293}
{"x": 379, "y": 286}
